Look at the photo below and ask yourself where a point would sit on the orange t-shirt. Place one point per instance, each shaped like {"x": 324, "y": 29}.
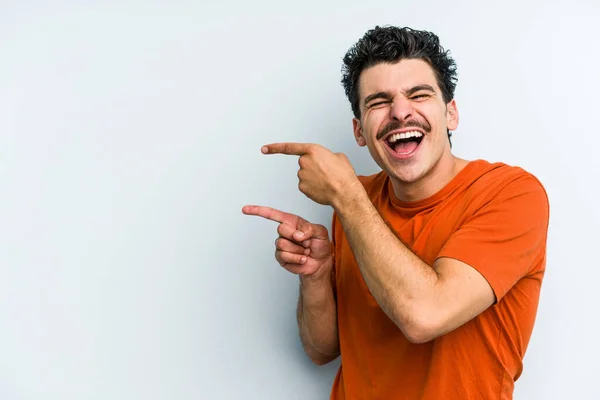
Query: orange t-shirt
{"x": 491, "y": 216}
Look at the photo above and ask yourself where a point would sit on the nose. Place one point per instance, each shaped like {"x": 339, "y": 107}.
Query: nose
{"x": 401, "y": 109}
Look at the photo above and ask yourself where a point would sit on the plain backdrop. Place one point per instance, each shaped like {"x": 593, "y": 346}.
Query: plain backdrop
{"x": 130, "y": 139}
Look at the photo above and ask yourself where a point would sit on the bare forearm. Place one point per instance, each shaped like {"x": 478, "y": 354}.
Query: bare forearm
{"x": 403, "y": 285}
{"x": 317, "y": 320}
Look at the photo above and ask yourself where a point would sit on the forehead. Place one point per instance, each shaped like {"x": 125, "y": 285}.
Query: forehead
{"x": 396, "y": 77}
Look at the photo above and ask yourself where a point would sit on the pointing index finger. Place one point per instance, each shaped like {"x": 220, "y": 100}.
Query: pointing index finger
{"x": 296, "y": 149}
{"x": 270, "y": 213}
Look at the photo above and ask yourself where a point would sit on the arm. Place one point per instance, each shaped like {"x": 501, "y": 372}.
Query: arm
{"x": 317, "y": 320}
{"x": 310, "y": 257}
{"x": 424, "y": 302}
{"x": 501, "y": 242}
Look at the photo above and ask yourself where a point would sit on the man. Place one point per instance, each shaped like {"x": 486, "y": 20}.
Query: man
{"x": 429, "y": 286}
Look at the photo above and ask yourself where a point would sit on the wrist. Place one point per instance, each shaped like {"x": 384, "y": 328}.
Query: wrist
{"x": 316, "y": 280}
{"x": 351, "y": 196}
{"x": 316, "y": 290}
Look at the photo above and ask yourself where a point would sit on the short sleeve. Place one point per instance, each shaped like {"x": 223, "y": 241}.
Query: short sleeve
{"x": 505, "y": 239}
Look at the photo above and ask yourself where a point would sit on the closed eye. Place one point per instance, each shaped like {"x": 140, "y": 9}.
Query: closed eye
{"x": 378, "y": 104}
{"x": 420, "y": 96}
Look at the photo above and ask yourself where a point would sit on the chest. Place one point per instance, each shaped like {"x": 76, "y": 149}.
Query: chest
{"x": 426, "y": 232}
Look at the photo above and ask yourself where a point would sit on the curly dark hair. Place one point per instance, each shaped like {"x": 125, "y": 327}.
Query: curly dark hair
{"x": 392, "y": 44}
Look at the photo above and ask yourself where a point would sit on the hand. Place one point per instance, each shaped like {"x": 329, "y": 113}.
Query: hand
{"x": 302, "y": 248}
{"x": 324, "y": 176}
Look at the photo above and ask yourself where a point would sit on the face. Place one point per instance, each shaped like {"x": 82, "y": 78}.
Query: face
{"x": 404, "y": 120}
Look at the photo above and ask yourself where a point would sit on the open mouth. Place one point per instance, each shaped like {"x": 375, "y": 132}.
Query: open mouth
{"x": 404, "y": 143}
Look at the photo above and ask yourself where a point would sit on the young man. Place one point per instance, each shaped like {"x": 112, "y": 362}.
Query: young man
{"x": 429, "y": 286}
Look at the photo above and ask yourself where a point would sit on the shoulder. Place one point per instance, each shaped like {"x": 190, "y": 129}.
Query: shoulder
{"x": 496, "y": 184}
{"x": 493, "y": 179}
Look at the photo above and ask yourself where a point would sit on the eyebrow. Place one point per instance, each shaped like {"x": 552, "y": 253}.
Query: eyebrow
{"x": 378, "y": 95}
{"x": 388, "y": 95}
{"x": 418, "y": 88}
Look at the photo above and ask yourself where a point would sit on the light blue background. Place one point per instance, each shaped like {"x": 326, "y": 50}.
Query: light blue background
{"x": 130, "y": 139}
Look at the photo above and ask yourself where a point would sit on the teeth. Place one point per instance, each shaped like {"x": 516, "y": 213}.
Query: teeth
{"x": 404, "y": 135}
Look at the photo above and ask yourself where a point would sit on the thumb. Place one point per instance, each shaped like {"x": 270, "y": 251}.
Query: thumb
{"x": 306, "y": 230}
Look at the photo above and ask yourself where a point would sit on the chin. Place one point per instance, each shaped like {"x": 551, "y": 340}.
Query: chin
{"x": 407, "y": 174}
{"x": 409, "y": 170}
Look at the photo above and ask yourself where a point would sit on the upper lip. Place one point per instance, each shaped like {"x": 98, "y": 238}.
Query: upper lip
{"x": 403, "y": 130}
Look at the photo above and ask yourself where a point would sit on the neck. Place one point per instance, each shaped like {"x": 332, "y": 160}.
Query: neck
{"x": 439, "y": 176}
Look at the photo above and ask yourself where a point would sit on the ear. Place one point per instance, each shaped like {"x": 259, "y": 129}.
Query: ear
{"x": 451, "y": 115}
{"x": 358, "y": 133}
